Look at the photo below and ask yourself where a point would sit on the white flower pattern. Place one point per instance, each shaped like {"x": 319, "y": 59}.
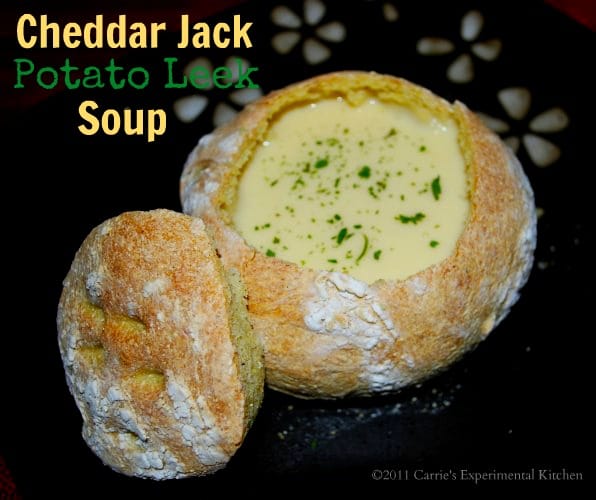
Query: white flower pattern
{"x": 516, "y": 101}
{"x": 310, "y": 32}
{"x": 461, "y": 70}
{"x": 389, "y": 11}
{"x": 314, "y": 50}
{"x": 189, "y": 108}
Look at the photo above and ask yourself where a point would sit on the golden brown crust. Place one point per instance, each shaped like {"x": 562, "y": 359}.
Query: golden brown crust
{"x": 317, "y": 343}
{"x": 149, "y": 336}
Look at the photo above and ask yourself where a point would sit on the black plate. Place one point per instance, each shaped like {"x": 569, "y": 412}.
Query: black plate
{"x": 518, "y": 402}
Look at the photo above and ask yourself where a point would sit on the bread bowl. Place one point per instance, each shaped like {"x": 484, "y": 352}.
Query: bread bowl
{"x": 326, "y": 332}
{"x": 157, "y": 348}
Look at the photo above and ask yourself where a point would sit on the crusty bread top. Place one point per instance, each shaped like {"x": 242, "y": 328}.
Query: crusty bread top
{"x": 158, "y": 352}
{"x": 330, "y": 335}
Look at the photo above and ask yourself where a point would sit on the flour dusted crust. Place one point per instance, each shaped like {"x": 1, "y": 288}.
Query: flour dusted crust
{"x": 157, "y": 348}
{"x": 329, "y": 335}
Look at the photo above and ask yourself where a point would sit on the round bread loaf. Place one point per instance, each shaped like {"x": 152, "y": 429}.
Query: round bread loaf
{"x": 327, "y": 334}
{"x": 157, "y": 347}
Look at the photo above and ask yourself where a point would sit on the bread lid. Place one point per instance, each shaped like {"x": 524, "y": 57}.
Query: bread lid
{"x": 157, "y": 348}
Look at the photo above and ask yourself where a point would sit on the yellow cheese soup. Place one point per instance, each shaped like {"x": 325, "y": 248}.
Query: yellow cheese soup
{"x": 377, "y": 190}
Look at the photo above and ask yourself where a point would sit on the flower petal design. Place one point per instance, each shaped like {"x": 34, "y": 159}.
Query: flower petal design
{"x": 513, "y": 142}
{"x": 390, "y": 12}
{"x": 488, "y": 50}
{"x": 432, "y": 46}
{"x": 314, "y": 10}
{"x": 204, "y": 62}
{"x": 285, "y": 41}
{"x": 189, "y": 108}
{"x": 516, "y": 101}
{"x": 461, "y": 70}
{"x": 284, "y": 17}
{"x": 243, "y": 97}
{"x": 332, "y": 32}
{"x": 553, "y": 120}
{"x": 471, "y": 25}
{"x": 223, "y": 114}
{"x": 496, "y": 125}
{"x": 314, "y": 51}
{"x": 542, "y": 152}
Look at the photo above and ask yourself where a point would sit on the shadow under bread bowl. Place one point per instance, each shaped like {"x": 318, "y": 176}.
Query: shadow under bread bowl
{"x": 402, "y": 303}
{"x": 157, "y": 347}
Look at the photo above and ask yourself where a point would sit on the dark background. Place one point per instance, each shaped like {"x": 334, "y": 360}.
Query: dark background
{"x": 522, "y": 400}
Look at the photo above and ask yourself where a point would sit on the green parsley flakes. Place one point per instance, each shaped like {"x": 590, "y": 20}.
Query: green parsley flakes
{"x": 364, "y": 172}
{"x": 414, "y": 219}
{"x": 364, "y": 249}
{"x": 322, "y": 163}
{"x": 436, "y": 187}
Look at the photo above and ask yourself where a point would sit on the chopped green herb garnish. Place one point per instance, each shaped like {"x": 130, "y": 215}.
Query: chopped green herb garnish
{"x": 364, "y": 172}
{"x": 371, "y": 191}
{"x": 342, "y": 235}
{"x": 364, "y": 249}
{"x": 414, "y": 219}
{"x": 360, "y": 143}
{"x": 332, "y": 141}
{"x": 322, "y": 163}
{"x": 436, "y": 187}
{"x": 276, "y": 240}
{"x": 273, "y": 183}
{"x": 332, "y": 261}
{"x": 298, "y": 182}
{"x": 270, "y": 253}
{"x": 422, "y": 149}
{"x": 377, "y": 254}
{"x": 434, "y": 243}
{"x": 357, "y": 226}
{"x": 337, "y": 182}
{"x": 390, "y": 133}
